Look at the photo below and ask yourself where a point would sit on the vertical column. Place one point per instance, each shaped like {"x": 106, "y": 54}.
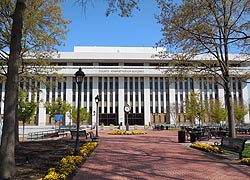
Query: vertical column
{"x": 202, "y": 89}
{"x": 95, "y": 93}
{"x": 121, "y": 104}
{"x": 88, "y": 94}
{"x": 50, "y": 89}
{"x": 178, "y": 95}
{"x": 134, "y": 104}
{"x": 62, "y": 88}
{"x": 213, "y": 88}
{"x": 146, "y": 100}
{"x": 139, "y": 94}
{"x": 102, "y": 96}
{"x": 159, "y": 95}
{"x": 108, "y": 96}
{"x": 197, "y": 85}
{"x": 184, "y": 95}
{"x": 113, "y": 100}
{"x": 172, "y": 101}
{"x": 128, "y": 92}
{"x": 189, "y": 88}
{"x": 164, "y": 96}
{"x": 85, "y": 98}
{"x": 153, "y": 94}
{"x": 56, "y": 89}
{"x": 208, "y": 88}
{"x": 69, "y": 94}
{"x": 221, "y": 94}
{"x": 42, "y": 110}
{"x": 245, "y": 94}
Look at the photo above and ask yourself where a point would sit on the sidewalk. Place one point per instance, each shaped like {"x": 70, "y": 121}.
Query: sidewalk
{"x": 155, "y": 156}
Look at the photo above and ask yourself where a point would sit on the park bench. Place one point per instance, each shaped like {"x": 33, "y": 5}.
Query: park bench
{"x": 92, "y": 136}
{"x": 243, "y": 129}
{"x": 81, "y": 133}
{"x": 51, "y": 135}
{"x": 233, "y": 144}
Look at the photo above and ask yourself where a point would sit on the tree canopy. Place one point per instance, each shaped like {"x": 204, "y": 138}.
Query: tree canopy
{"x": 240, "y": 110}
{"x": 44, "y": 29}
{"x": 217, "y": 112}
{"x": 211, "y": 28}
{"x": 194, "y": 107}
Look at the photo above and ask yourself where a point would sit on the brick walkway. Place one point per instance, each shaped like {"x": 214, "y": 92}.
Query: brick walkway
{"x": 155, "y": 156}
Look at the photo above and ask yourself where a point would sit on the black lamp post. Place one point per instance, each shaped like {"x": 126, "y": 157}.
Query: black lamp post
{"x": 79, "y": 75}
{"x": 97, "y": 98}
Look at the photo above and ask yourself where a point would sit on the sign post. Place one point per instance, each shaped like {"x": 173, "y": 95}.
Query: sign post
{"x": 58, "y": 117}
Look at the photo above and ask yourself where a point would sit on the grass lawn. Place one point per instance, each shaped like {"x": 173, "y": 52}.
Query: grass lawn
{"x": 245, "y": 153}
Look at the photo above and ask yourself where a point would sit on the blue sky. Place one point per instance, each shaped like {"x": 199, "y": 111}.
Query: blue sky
{"x": 93, "y": 28}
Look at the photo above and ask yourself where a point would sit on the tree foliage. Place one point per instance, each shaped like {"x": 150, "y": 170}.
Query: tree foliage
{"x": 240, "y": 110}
{"x": 57, "y": 107}
{"x": 43, "y": 30}
{"x": 194, "y": 107}
{"x": 7, "y": 148}
{"x": 217, "y": 112}
{"x": 26, "y": 109}
{"x": 84, "y": 114}
{"x": 123, "y": 8}
{"x": 209, "y": 27}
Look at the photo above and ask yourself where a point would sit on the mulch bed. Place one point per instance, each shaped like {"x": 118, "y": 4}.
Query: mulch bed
{"x": 34, "y": 158}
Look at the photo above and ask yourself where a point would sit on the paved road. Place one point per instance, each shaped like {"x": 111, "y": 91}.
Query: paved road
{"x": 156, "y": 156}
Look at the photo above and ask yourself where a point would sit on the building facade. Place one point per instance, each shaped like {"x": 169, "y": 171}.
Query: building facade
{"x": 126, "y": 76}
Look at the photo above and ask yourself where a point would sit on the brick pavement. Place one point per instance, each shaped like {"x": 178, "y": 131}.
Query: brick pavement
{"x": 156, "y": 155}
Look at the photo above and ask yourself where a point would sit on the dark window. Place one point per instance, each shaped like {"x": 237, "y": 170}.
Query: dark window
{"x": 82, "y": 64}
{"x": 133, "y": 64}
{"x": 108, "y": 64}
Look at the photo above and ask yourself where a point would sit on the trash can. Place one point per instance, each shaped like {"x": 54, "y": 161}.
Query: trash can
{"x": 192, "y": 137}
{"x": 181, "y": 136}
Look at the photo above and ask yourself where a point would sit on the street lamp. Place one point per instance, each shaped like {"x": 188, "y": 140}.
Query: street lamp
{"x": 79, "y": 75}
{"x": 97, "y": 98}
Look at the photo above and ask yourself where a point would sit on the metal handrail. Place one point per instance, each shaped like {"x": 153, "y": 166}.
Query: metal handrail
{"x": 40, "y": 134}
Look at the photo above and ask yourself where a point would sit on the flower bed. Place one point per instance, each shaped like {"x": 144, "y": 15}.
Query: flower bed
{"x": 124, "y": 132}
{"x": 69, "y": 163}
{"x": 206, "y": 147}
{"x": 245, "y": 161}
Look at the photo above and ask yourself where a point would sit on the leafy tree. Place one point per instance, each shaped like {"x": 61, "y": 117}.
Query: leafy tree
{"x": 57, "y": 107}
{"x": 194, "y": 107}
{"x": 19, "y": 36}
{"x": 239, "y": 112}
{"x": 15, "y": 39}
{"x": 7, "y": 149}
{"x": 207, "y": 27}
{"x": 217, "y": 112}
{"x": 123, "y": 8}
{"x": 26, "y": 109}
{"x": 84, "y": 115}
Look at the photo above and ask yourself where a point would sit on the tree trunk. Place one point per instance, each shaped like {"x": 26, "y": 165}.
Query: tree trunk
{"x": 7, "y": 149}
{"x": 230, "y": 109}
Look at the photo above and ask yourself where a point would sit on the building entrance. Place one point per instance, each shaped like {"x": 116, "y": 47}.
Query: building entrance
{"x": 135, "y": 119}
{"x": 108, "y": 119}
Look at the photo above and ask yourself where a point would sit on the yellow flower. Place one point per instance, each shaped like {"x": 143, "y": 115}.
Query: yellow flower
{"x": 69, "y": 163}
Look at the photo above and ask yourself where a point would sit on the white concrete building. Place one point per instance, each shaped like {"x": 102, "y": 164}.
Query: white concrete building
{"x": 126, "y": 75}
